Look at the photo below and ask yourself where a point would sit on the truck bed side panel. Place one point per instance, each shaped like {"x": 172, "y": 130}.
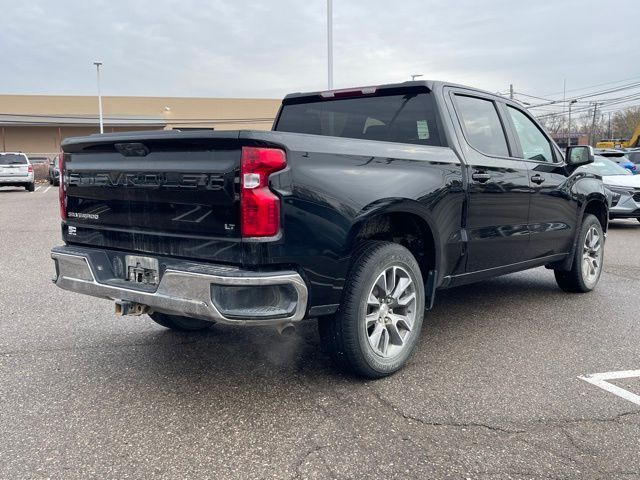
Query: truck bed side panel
{"x": 337, "y": 182}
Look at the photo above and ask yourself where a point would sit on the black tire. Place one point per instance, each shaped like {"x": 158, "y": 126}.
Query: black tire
{"x": 577, "y": 279}
{"x": 30, "y": 187}
{"x": 182, "y": 324}
{"x": 51, "y": 182}
{"x": 345, "y": 336}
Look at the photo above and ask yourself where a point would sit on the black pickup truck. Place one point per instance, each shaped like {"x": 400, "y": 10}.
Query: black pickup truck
{"x": 355, "y": 209}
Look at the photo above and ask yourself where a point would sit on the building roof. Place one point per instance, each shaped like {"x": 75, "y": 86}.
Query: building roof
{"x": 173, "y": 112}
{"x": 77, "y": 120}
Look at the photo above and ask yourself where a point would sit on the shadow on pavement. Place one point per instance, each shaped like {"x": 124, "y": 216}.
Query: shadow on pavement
{"x": 261, "y": 354}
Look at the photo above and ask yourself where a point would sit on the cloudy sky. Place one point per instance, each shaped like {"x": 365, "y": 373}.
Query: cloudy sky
{"x": 251, "y": 48}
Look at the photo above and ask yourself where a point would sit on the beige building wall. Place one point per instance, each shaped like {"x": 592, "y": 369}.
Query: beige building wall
{"x": 46, "y": 140}
{"x": 38, "y": 123}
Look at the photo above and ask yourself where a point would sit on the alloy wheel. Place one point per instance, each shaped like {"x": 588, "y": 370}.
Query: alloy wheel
{"x": 391, "y": 312}
{"x": 592, "y": 256}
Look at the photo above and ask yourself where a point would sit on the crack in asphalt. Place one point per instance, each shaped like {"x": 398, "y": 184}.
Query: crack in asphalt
{"x": 406, "y": 416}
{"x": 302, "y": 460}
{"x": 586, "y": 457}
{"x": 560, "y": 424}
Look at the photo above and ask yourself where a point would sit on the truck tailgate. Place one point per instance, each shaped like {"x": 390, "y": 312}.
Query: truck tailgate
{"x": 165, "y": 193}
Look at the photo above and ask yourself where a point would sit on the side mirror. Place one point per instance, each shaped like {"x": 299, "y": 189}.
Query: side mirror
{"x": 579, "y": 155}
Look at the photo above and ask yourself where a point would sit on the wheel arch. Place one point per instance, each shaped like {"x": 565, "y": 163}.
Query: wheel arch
{"x": 597, "y": 205}
{"x": 400, "y": 221}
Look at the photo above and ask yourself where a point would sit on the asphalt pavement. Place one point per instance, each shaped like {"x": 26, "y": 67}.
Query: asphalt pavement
{"x": 492, "y": 392}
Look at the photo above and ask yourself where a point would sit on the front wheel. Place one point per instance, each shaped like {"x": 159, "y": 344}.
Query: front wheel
{"x": 183, "y": 324}
{"x": 587, "y": 262}
{"x": 380, "y": 317}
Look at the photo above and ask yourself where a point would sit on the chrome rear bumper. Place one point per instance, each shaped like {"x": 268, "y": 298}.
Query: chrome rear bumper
{"x": 184, "y": 289}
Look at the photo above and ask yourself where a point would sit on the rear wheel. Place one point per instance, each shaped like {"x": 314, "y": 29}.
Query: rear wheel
{"x": 587, "y": 263}
{"x": 30, "y": 187}
{"x": 378, "y": 323}
{"x": 183, "y": 324}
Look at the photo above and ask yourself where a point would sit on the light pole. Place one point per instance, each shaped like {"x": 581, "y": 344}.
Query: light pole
{"x": 569, "y": 123}
{"x": 98, "y": 64}
{"x": 414, "y": 76}
{"x": 330, "y": 44}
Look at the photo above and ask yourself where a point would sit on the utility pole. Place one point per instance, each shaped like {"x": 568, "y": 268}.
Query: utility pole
{"x": 330, "y": 43}
{"x": 593, "y": 121}
{"x": 511, "y": 91}
{"x": 569, "y": 123}
{"x": 98, "y": 64}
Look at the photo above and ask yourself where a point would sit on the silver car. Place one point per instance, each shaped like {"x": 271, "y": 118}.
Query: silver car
{"x": 624, "y": 186}
{"x": 16, "y": 171}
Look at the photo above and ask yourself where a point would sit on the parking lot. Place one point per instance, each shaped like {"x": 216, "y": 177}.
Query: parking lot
{"x": 491, "y": 392}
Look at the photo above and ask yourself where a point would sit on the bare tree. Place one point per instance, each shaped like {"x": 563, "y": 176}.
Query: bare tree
{"x": 624, "y": 122}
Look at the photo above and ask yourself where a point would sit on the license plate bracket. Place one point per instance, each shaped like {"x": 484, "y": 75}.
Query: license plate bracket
{"x": 144, "y": 270}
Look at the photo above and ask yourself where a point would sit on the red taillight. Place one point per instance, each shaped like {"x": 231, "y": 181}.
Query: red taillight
{"x": 259, "y": 206}
{"x": 61, "y": 192}
{"x": 30, "y": 169}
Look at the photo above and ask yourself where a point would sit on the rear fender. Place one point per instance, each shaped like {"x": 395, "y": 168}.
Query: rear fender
{"x": 396, "y": 206}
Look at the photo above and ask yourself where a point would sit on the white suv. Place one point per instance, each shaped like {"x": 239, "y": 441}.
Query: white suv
{"x": 16, "y": 171}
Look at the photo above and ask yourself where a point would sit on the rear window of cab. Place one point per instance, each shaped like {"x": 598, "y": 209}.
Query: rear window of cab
{"x": 403, "y": 118}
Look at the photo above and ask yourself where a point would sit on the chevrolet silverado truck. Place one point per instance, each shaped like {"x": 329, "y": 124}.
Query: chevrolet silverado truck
{"x": 355, "y": 209}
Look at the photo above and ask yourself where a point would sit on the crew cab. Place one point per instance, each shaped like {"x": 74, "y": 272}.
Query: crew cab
{"x": 354, "y": 210}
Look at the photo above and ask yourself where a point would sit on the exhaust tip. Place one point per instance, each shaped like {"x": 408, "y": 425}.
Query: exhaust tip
{"x": 287, "y": 330}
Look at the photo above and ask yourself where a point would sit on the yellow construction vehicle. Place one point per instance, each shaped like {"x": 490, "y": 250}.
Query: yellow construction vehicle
{"x": 634, "y": 141}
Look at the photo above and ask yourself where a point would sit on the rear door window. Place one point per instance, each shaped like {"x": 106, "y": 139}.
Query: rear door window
{"x": 482, "y": 126}
{"x": 402, "y": 118}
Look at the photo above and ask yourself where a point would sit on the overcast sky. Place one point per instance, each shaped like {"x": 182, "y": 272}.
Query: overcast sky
{"x": 251, "y": 48}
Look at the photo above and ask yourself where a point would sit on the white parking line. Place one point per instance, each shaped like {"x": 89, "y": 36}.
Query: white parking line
{"x": 38, "y": 188}
{"x": 600, "y": 380}
{"x": 46, "y": 189}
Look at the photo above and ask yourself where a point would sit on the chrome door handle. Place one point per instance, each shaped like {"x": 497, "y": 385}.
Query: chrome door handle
{"x": 537, "y": 179}
{"x": 480, "y": 177}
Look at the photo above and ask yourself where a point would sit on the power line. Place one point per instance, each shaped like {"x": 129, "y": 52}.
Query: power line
{"x": 605, "y": 109}
{"x": 626, "y": 107}
{"x": 620, "y": 88}
{"x": 594, "y": 86}
{"x": 537, "y": 98}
